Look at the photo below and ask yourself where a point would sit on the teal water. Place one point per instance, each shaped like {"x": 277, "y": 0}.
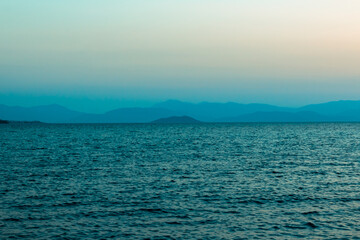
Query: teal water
{"x": 178, "y": 181}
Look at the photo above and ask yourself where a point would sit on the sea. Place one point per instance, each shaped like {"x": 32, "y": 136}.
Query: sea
{"x": 180, "y": 181}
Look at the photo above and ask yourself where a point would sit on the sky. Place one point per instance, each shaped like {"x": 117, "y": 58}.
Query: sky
{"x": 98, "y": 55}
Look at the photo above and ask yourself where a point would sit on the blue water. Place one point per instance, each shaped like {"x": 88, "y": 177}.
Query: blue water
{"x": 205, "y": 181}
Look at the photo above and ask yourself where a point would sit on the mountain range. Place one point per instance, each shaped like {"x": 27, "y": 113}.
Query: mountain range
{"x": 337, "y": 111}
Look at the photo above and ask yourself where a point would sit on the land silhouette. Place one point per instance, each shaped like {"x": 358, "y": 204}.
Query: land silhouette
{"x": 177, "y": 119}
{"x": 3, "y": 121}
{"x": 337, "y": 111}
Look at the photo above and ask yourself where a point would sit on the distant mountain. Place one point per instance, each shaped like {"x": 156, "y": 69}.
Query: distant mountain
{"x": 348, "y": 115}
{"x": 211, "y": 112}
{"x": 279, "y": 117}
{"x": 332, "y": 108}
{"x": 208, "y": 112}
{"x": 48, "y": 113}
{"x": 125, "y": 115}
{"x": 177, "y": 119}
{"x": 58, "y": 114}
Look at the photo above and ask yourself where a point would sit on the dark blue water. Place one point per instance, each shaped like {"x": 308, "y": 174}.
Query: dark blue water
{"x": 206, "y": 181}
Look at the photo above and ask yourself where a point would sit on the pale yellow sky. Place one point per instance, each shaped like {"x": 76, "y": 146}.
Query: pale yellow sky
{"x": 181, "y": 44}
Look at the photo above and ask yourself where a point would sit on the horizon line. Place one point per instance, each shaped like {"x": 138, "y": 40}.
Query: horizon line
{"x": 180, "y": 101}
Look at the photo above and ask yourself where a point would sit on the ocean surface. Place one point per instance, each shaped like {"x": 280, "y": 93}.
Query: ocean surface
{"x": 180, "y": 181}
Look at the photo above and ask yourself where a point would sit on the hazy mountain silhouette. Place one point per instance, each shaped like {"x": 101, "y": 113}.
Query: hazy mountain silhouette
{"x": 177, "y": 119}
{"x": 305, "y": 116}
{"x": 125, "y": 115}
{"x": 348, "y": 115}
{"x": 48, "y": 113}
{"x": 205, "y": 111}
{"x": 210, "y": 112}
{"x": 332, "y": 108}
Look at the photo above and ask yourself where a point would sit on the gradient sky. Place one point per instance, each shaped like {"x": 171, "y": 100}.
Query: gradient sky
{"x": 97, "y": 55}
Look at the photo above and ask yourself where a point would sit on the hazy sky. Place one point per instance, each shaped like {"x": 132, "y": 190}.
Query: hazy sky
{"x": 137, "y": 52}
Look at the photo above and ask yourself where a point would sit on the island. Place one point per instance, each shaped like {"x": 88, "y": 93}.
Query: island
{"x": 17, "y": 122}
{"x": 25, "y": 122}
{"x": 3, "y": 121}
{"x": 177, "y": 119}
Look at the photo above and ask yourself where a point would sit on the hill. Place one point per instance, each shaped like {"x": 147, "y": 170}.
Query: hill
{"x": 3, "y": 121}
{"x": 48, "y": 113}
{"x": 279, "y": 117}
{"x": 343, "y": 111}
{"x": 125, "y": 115}
{"x": 212, "y": 112}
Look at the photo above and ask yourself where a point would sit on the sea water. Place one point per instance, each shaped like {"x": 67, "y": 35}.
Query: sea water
{"x": 180, "y": 181}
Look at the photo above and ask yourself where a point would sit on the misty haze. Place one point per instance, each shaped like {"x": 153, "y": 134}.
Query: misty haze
{"x": 179, "y": 119}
